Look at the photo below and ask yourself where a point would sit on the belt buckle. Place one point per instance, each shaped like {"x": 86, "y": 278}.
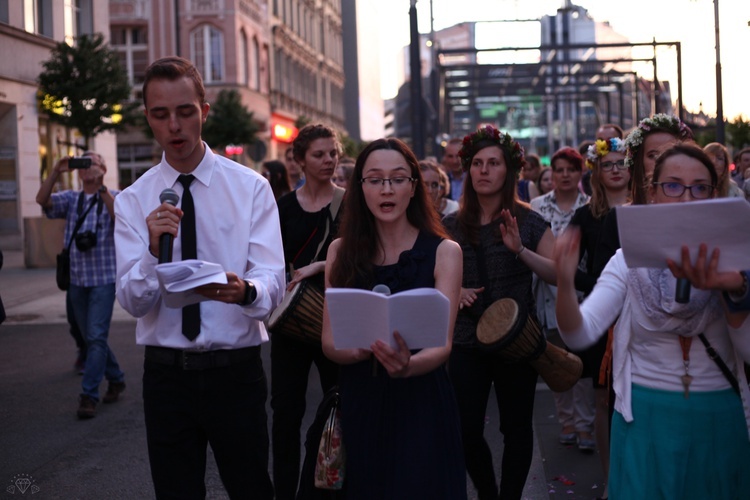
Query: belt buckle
{"x": 185, "y": 360}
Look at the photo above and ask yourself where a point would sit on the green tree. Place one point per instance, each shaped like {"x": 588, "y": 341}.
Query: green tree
{"x": 84, "y": 87}
{"x": 351, "y": 147}
{"x": 739, "y": 133}
{"x": 229, "y": 122}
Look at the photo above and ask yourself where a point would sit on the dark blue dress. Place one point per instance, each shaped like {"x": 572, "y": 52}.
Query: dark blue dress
{"x": 402, "y": 435}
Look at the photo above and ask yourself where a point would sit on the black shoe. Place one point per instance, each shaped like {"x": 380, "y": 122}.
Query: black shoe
{"x": 113, "y": 392}
{"x": 86, "y": 407}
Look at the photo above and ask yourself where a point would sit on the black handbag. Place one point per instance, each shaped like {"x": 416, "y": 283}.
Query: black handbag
{"x": 63, "y": 258}
{"x": 63, "y": 269}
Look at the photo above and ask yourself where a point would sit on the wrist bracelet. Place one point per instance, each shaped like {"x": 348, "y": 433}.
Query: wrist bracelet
{"x": 520, "y": 251}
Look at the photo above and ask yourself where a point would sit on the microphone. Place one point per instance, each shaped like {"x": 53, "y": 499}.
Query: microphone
{"x": 171, "y": 197}
{"x": 382, "y": 289}
{"x": 682, "y": 291}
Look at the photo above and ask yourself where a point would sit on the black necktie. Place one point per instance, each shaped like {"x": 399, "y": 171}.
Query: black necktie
{"x": 191, "y": 315}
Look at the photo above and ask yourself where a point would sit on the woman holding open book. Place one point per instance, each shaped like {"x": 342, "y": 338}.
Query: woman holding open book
{"x": 398, "y": 411}
{"x": 503, "y": 242}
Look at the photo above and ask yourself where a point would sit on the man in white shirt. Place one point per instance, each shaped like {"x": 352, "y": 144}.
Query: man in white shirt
{"x": 203, "y": 380}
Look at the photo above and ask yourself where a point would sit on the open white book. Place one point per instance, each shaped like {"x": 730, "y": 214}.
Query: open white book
{"x": 650, "y": 234}
{"x": 177, "y": 280}
{"x": 360, "y": 317}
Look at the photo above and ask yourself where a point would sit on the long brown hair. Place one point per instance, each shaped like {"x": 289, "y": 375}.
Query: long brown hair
{"x": 713, "y": 149}
{"x": 469, "y": 213}
{"x": 358, "y": 231}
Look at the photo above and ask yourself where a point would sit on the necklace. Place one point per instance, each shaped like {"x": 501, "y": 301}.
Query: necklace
{"x": 685, "y": 343}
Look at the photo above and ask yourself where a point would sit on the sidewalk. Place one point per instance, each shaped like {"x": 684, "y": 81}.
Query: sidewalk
{"x": 31, "y": 296}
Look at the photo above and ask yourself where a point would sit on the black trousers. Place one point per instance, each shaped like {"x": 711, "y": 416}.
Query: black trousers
{"x": 223, "y": 407}
{"x": 291, "y": 360}
{"x": 473, "y": 373}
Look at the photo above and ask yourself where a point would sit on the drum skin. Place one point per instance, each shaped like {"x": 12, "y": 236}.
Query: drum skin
{"x": 507, "y": 330}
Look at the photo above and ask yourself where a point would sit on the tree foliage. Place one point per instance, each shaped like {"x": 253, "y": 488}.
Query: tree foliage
{"x": 85, "y": 87}
{"x": 738, "y": 133}
{"x": 229, "y": 122}
{"x": 351, "y": 147}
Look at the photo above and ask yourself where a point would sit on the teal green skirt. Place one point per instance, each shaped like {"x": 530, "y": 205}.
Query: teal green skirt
{"x": 677, "y": 448}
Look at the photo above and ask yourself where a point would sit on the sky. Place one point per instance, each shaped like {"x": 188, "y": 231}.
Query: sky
{"x": 690, "y": 22}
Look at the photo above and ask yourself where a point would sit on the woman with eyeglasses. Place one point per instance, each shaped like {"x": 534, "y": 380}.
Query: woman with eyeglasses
{"x": 305, "y": 215}
{"x": 610, "y": 187}
{"x": 503, "y": 243}
{"x": 679, "y": 429}
{"x": 399, "y": 417}
{"x": 436, "y": 182}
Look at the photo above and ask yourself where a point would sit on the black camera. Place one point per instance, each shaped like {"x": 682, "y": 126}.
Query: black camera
{"x": 85, "y": 241}
{"x": 79, "y": 162}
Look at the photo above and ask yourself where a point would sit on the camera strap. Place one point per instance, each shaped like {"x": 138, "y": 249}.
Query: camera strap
{"x": 81, "y": 218}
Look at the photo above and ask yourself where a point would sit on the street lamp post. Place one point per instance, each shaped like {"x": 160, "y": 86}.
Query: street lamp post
{"x": 415, "y": 68}
{"x": 719, "y": 103}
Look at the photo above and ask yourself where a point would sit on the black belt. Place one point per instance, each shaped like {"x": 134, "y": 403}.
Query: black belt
{"x": 200, "y": 360}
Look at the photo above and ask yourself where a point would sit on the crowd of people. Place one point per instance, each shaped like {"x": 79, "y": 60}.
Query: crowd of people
{"x": 487, "y": 223}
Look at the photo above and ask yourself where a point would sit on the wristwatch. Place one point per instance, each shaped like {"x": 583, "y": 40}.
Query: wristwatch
{"x": 250, "y": 294}
{"x": 102, "y": 188}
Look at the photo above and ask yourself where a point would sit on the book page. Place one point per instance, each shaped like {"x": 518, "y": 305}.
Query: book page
{"x": 649, "y": 234}
{"x": 178, "y": 279}
{"x": 360, "y": 317}
{"x": 421, "y": 316}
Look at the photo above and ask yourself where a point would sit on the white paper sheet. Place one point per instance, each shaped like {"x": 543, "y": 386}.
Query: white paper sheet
{"x": 360, "y": 317}
{"x": 178, "y": 279}
{"x": 650, "y": 234}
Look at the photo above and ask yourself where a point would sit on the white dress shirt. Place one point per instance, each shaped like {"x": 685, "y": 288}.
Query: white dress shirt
{"x": 237, "y": 226}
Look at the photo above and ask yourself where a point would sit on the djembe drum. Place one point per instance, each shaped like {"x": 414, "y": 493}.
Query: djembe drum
{"x": 300, "y": 313}
{"x": 506, "y": 329}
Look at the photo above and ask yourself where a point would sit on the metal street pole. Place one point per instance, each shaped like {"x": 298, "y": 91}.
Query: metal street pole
{"x": 719, "y": 100}
{"x": 415, "y": 68}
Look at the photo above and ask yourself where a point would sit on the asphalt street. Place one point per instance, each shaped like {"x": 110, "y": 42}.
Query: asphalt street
{"x": 50, "y": 454}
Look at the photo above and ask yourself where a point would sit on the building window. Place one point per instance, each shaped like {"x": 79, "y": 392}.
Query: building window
{"x": 255, "y": 70}
{"x": 242, "y": 69}
{"x": 207, "y": 52}
{"x": 131, "y": 45}
{"x": 37, "y": 16}
{"x": 4, "y": 17}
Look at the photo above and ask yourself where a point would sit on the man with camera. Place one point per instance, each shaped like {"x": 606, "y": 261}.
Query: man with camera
{"x": 89, "y": 234}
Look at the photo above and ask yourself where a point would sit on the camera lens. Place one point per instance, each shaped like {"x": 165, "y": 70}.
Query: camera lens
{"x": 85, "y": 241}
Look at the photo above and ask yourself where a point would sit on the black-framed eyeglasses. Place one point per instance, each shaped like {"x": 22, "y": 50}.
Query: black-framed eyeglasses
{"x": 607, "y": 166}
{"x": 393, "y": 181}
{"x": 675, "y": 190}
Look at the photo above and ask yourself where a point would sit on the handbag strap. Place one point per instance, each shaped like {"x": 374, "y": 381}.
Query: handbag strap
{"x": 338, "y": 196}
{"x": 720, "y": 363}
{"x": 80, "y": 220}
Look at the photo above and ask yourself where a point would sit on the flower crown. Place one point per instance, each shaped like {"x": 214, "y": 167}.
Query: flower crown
{"x": 601, "y": 148}
{"x": 490, "y": 133}
{"x": 661, "y": 121}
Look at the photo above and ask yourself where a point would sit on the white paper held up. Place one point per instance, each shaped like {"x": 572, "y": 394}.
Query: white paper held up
{"x": 651, "y": 234}
{"x": 360, "y": 317}
{"x": 178, "y": 279}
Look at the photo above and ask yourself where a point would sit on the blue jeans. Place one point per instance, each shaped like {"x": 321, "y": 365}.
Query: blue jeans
{"x": 93, "y": 311}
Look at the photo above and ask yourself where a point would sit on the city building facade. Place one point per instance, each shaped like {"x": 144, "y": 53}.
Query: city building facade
{"x": 30, "y": 143}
